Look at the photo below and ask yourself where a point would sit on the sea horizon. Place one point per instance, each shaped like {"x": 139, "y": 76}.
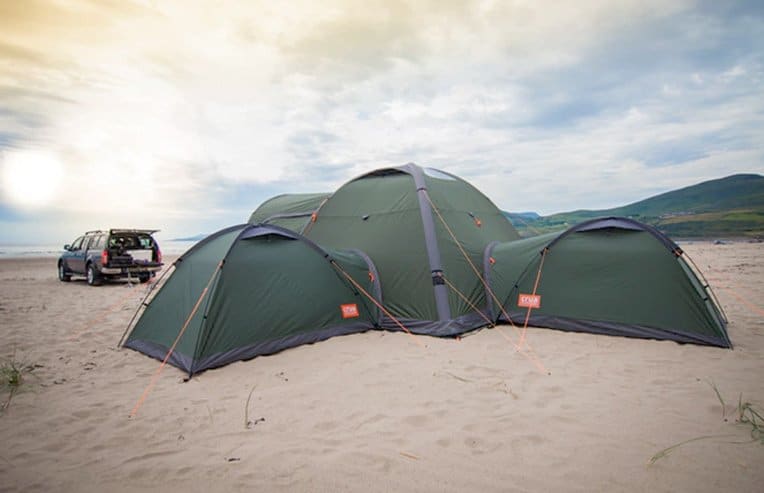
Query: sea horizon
{"x": 15, "y": 251}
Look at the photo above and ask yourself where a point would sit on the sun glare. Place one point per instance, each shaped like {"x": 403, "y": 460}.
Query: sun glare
{"x": 31, "y": 178}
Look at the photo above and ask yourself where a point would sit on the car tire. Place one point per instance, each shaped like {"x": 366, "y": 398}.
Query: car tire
{"x": 63, "y": 274}
{"x": 94, "y": 279}
{"x": 144, "y": 278}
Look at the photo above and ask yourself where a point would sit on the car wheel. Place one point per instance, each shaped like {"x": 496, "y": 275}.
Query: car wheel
{"x": 92, "y": 275}
{"x": 63, "y": 275}
{"x": 144, "y": 278}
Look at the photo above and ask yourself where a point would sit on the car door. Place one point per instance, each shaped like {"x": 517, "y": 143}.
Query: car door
{"x": 91, "y": 251}
{"x": 75, "y": 256}
{"x": 95, "y": 247}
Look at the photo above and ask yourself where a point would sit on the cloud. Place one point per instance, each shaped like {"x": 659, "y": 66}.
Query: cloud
{"x": 545, "y": 106}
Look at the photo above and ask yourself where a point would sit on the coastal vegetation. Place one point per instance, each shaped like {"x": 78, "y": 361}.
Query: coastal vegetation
{"x": 731, "y": 207}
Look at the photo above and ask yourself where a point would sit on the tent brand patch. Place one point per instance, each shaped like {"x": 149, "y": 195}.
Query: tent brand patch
{"x": 529, "y": 301}
{"x": 349, "y": 310}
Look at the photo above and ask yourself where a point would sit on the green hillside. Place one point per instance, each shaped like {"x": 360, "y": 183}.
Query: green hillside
{"x": 727, "y": 207}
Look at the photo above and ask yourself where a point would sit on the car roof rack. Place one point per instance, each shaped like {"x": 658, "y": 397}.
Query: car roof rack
{"x": 126, "y": 230}
{"x": 122, "y": 230}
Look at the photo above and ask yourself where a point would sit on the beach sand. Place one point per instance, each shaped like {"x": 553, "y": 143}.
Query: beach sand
{"x": 378, "y": 411}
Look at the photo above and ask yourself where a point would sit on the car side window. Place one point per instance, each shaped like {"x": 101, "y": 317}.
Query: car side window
{"x": 98, "y": 243}
{"x": 77, "y": 244}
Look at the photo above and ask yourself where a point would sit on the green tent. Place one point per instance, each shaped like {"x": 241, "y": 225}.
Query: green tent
{"x": 255, "y": 289}
{"x": 426, "y": 231}
{"x": 445, "y": 261}
{"x": 609, "y": 276}
{"x": 291, "y": 210}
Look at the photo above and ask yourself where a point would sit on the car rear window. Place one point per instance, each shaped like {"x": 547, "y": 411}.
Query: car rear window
{"x": 131, "y": 241}
{"x": 146, "y": 241}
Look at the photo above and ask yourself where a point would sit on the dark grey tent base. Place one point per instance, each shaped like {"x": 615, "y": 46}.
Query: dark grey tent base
{"x": 185, "y": 363}
{"x": 442, "y": 328}
{"x": 448, "y": 328}
{"x": 614, "y": 329}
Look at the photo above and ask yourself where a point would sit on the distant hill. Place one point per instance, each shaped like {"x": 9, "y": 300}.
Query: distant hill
{"x": 525, "y": 215}
{"x": 521, "y": 216}
{"x": 727, "y": 207}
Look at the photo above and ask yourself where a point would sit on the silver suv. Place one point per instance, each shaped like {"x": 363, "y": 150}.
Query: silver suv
{"x": 112, "y": 254}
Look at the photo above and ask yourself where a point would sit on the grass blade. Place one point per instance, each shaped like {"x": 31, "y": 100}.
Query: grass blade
{"x": 665, "y": 452}
{"x": 719, "y": 396}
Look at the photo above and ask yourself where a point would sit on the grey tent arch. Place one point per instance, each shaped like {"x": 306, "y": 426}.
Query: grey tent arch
{"x": 269, "y": 289}
{"x": 293, "y": 211}
{"x": 425, "y": 230}
{"x": 612, "y": 276}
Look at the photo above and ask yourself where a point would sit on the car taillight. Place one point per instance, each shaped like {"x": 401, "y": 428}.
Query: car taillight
{"x": 104, "y": 257}
{"x": 159, "y": 255}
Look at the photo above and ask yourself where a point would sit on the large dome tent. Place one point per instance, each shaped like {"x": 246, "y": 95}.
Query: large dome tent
{"x": 426, "y": 231}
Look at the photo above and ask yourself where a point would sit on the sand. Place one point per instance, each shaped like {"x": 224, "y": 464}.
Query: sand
{"x": 378, "y": 411}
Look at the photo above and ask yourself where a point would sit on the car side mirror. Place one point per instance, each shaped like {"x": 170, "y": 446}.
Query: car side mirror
{"x": 67, "y": 247}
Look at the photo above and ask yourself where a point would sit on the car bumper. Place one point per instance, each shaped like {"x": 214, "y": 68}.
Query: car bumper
{"x": 113, "y": 271}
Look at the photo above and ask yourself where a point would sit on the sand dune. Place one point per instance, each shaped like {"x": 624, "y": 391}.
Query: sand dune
{"x": 377, "y": 411}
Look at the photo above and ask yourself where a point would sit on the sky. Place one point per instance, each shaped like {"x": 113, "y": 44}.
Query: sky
{"x": 185, "y": 115}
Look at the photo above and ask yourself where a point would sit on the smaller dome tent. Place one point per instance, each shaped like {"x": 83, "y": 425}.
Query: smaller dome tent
{"x": 612, "y": 276}
{"x": 250, "y": 290}
{"x": 290, "y": 210}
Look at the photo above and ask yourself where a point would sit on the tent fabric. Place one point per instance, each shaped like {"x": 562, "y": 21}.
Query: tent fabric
{"x": 291, "y": 211}
{"x": 394, "y": 215}
{"x": 608, "y": 276}
{"x": 432, "y": 250}
{"x": 275, "y": 289}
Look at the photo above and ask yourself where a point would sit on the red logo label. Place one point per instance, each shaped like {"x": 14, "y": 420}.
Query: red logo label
{"x": 529, "y": 301}
{"x": 349, "y": 310}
